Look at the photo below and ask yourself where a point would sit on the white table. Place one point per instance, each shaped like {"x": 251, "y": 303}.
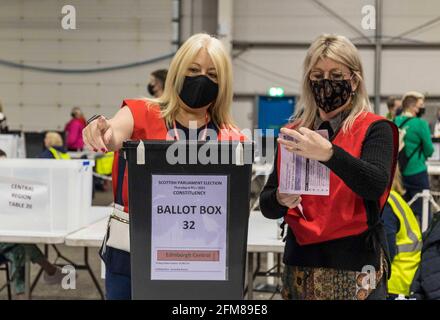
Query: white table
{"x": 90, "y": 236}
{"x": 45, "y": 238}
{"x": 262, "y": 238}
{"x": 263, "y": 234}
{"x": 433, "y": 168}
{"x": 54, "y": 238}
{"x": 80, "y": 154}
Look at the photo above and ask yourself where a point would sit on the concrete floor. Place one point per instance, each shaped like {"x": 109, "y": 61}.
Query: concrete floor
{"x": 85, "y": 288}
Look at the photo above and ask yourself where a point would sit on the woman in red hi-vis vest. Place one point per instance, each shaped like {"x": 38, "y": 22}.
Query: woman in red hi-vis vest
{"x": 335, "y": 245}
{"x": 197, "y": 95}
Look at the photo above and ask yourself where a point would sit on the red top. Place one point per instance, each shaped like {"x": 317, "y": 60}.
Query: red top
{"x": 342, "y": 213}
{"x": 149, "y": 124}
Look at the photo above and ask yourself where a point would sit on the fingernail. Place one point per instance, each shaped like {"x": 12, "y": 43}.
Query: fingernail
{"x": 96, "y": 150}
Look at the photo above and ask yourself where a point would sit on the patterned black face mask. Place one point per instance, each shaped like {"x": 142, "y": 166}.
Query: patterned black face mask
{"x": 331, "y": 94}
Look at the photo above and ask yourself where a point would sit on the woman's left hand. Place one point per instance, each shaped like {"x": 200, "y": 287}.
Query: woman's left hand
{"x": 308, "y": 144}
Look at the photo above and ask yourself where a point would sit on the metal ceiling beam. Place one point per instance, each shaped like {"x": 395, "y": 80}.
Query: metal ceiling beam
{"x": 383, "y": 98}
{"x": 412, "y": 30}
{"x": 245, "y": 45}
{"x": 344, "y": 21}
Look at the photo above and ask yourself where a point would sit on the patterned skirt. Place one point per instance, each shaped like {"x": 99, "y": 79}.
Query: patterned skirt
{"x": 305, "y": 283}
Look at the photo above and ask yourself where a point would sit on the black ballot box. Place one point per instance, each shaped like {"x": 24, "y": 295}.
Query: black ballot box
{"x": 189, "y": 213}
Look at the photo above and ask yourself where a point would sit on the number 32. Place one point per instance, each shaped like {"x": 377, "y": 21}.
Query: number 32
{"x": 188, "y": 225}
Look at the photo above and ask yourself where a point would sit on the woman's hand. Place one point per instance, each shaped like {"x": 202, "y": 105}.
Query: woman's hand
{"x": 108, "y": 135}
{"x": 308, "y": 144}
{"x": 288, "y": 200}
{"x": 98, "y": 134}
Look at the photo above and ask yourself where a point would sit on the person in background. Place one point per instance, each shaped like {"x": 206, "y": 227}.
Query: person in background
{"x": 3, "y": 125}
{"x": 417, "y": 147}
{"x": 394, "y": 105}
{"x": 331, "y": 239}
{"x": 404, "y": 240}
{"x": 15, "y": 253}
{"x": 157, "y": 83}
{"x": 73, "y": 129}
{"x": 54, "y": 147}
{"x": 436, "y": 125}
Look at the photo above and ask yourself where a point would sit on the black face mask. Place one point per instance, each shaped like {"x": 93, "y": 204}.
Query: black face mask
{"x": 399, "y": 111}
{"x": 331, "y": 94}
{"x": 421, "y": 112}
{"x": 150, "y": 89}
{"x": 198, "y": 91}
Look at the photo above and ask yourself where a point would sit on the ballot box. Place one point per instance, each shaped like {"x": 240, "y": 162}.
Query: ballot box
{"x": 189, "y": 212}
{"x": 45, "y": 196}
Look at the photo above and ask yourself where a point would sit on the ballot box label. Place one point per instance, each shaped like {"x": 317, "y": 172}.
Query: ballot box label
{"x": 189, "y": 227}
{"x": 22, "y": 196}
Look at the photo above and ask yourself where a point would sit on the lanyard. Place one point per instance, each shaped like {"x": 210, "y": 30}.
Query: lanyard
{"x": 176, "y": 134}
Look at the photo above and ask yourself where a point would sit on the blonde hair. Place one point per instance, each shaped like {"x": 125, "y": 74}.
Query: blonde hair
{"x": 341, "y": 50}
{"x": 220, "y": 110}
{"x": 53, "y": 139}
{"x": 397, "y": 182}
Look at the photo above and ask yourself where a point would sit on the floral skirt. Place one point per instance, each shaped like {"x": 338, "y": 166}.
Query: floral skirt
{"x": 305, "y": 283}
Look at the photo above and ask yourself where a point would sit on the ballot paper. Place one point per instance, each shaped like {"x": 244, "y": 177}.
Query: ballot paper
{"x": 299, "y": 175}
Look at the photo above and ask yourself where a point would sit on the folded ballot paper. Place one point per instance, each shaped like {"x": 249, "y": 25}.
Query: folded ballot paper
{"x": 299, "y": 175}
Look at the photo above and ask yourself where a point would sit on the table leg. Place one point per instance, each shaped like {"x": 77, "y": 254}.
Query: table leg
{"x": 40, "y": 272}
{"x": 250, "y": 291}
{"x": 89, "y": 269}
{"x": 27, "y": 275}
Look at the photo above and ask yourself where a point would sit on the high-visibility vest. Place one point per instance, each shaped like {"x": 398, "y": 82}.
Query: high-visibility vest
{"x": 58, "y": 155}
{"x": 409, "y": 247}
{"x": 104, "y": 164}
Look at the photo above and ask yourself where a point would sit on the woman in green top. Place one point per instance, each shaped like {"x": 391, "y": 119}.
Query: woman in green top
{"x": 418, "y": 147}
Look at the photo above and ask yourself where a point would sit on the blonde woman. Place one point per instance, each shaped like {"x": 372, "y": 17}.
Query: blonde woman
{"x": 198, "y": 92}
{"x": 333, "y": 240}
{"x": 54, "y": 147}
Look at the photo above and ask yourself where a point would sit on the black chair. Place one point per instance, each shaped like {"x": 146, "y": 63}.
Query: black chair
{"x": 4, "y": 266}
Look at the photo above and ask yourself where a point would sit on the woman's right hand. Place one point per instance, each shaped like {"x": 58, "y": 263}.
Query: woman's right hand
{"x": 97, "y": 134}
{"x": 288, "y": 200}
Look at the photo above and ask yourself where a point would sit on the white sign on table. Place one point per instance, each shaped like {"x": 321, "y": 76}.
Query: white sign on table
{"x": 18, "y": 196}
{"x": 189, "y": 227}
{"x": 299, "y": 175}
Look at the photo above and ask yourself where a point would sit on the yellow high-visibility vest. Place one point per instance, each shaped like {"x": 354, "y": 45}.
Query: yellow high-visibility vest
{"x": 104, "y": 164}
{"x": 409, "y": 247}
{"x": 59, "y": 155}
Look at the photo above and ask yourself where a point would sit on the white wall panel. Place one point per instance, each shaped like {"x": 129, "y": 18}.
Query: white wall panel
{"x": 259, "y": 69}
{"x": 411, "y": 70}
{"x": 109, "y": 32}
{"x": 294, "y": 21}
